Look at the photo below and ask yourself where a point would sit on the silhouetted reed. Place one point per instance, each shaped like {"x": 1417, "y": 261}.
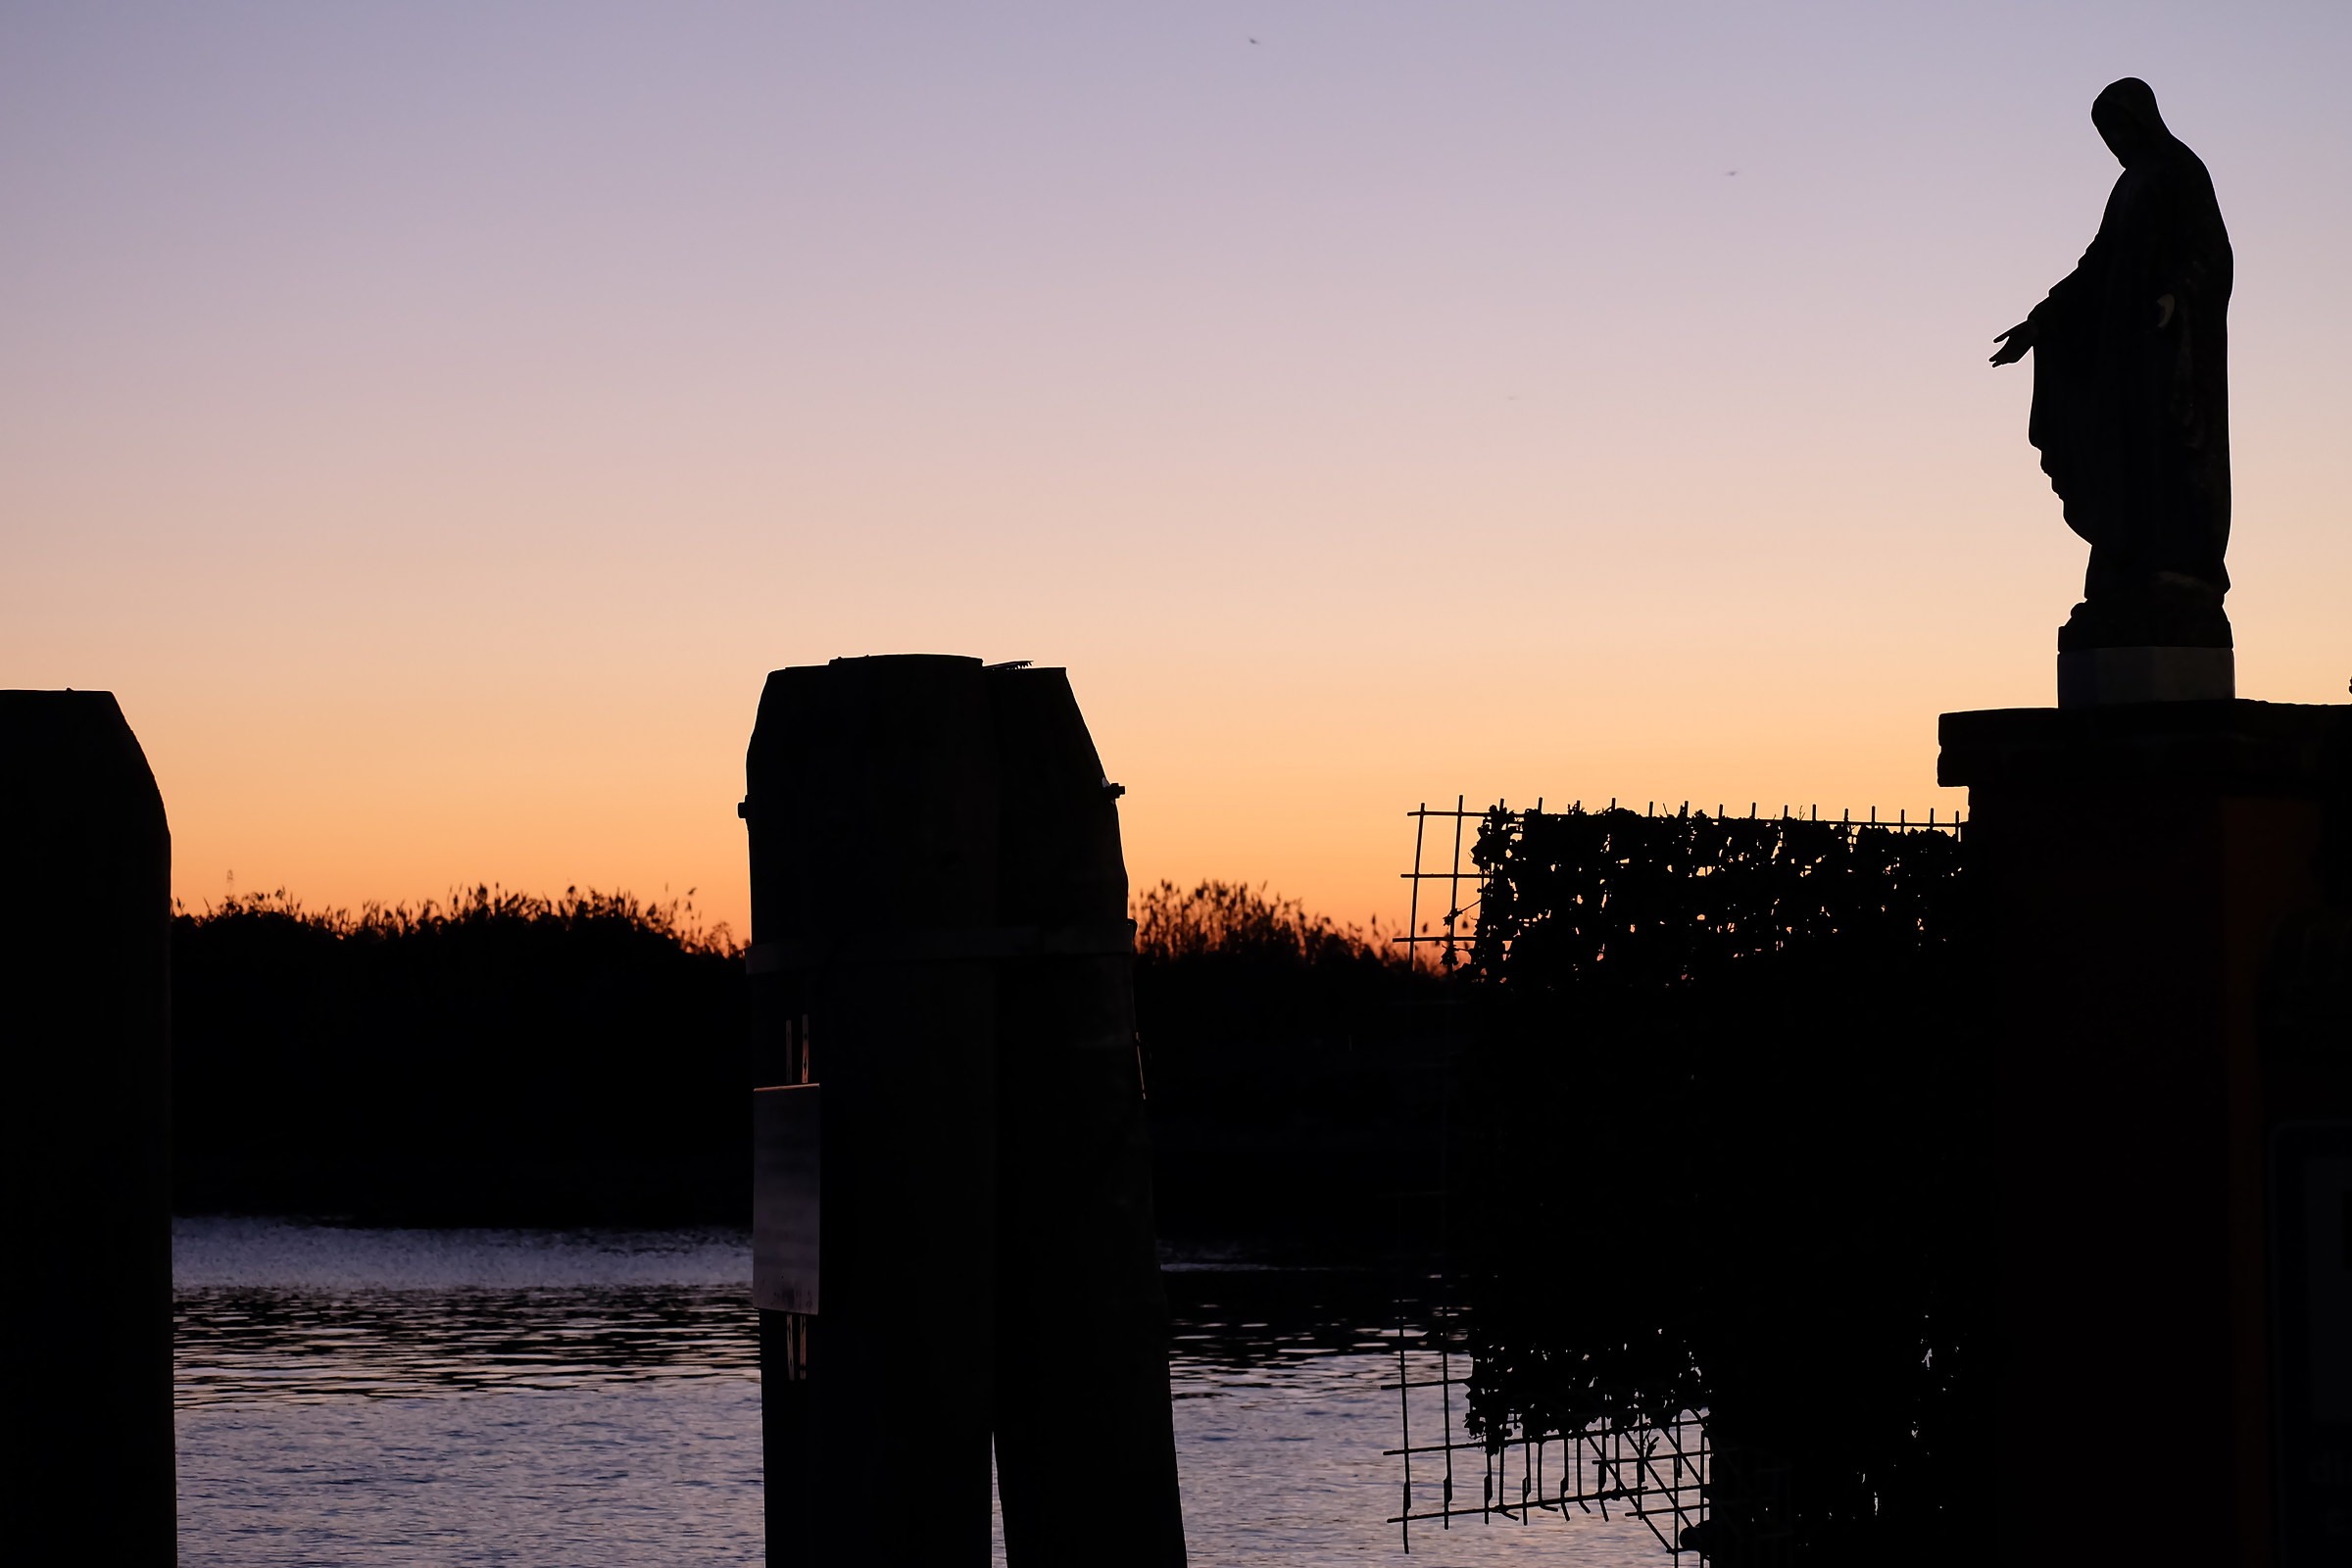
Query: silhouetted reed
{"x": 482, "y": 905}
{"x": 1235, "y": 921}
{"x": 1293, "y": 1072}
{"x": 492, "y": 1058}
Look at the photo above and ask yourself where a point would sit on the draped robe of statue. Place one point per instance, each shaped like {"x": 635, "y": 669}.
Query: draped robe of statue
{"x": 2130, "y": 410}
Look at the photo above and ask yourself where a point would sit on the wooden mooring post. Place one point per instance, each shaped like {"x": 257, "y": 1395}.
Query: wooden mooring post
{"x": 86, "y": 1465}
{"x": 951, "y": 1208}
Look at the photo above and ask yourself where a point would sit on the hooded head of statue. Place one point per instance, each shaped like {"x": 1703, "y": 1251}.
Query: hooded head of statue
{"x": 2126, "y": 115}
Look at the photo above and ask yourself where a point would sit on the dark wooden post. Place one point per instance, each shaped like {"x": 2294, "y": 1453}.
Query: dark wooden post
{"x": 2151, "y": 874}
{"x": 1086, "y": 1455}
{"x": 873, "y": 810}
{"x": 86, "y": 1471}
{"x": 953, "y": 1202}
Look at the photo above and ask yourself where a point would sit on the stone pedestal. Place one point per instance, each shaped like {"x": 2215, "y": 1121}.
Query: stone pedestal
{"x": 2162, "y": 883}
{"x": 2090, "y": 677}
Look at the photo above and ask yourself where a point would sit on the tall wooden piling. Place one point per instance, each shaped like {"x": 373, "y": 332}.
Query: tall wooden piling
{"x": 952, "y": 1217}
{"x": 1086, "y": 1459}
{"x": 872, "y": 812}
{"x": 86, "y": 1471}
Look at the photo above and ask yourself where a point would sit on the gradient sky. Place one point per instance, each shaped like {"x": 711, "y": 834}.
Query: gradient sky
{"x": 433, "y": 419}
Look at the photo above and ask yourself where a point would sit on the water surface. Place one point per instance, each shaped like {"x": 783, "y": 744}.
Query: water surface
{"x": 546, "y": 1400}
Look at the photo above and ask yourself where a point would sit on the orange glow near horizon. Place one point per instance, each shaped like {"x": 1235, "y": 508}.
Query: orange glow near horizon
{"x": 432, "y": 424}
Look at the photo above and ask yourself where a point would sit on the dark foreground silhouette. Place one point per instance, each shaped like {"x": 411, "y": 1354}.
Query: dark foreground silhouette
{"x": 85, "y": 1319}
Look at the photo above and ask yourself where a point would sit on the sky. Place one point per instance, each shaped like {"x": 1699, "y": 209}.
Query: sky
{"x": 433, "y": 420}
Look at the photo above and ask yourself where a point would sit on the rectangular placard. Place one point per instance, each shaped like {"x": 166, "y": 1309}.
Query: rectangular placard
{"x": 786, "y": 1165}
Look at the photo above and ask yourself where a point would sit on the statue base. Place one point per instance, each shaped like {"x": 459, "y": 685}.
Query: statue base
{"x": 2165, "y": 898}
{"x": 2093, "y": 677}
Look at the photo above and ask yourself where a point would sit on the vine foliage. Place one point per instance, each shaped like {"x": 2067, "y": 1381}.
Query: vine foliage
{"x": 1728, "y": 1158}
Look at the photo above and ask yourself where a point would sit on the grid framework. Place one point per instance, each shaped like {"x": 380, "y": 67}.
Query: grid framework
{"x": 1659, "y": 1472}
{"x": 1656, "y": 1472}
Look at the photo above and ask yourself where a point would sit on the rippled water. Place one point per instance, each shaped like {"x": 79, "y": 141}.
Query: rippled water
{"x": 533, "y": 1399}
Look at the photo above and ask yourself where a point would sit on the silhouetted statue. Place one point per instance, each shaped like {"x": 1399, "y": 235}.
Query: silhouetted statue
{"x": 2130, "y": 393}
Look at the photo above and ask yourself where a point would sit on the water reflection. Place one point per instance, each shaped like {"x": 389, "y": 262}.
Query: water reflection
{"x": 237, "y": 1344}
{"x": 587, "y": 1399}
{"x": 269, "y": 1311}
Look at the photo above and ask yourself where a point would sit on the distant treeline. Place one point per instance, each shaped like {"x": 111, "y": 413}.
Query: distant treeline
{"x": 495, "y": 1058}
{"x": 1296, "y": 1075}
{"x": 503, "y": 1059}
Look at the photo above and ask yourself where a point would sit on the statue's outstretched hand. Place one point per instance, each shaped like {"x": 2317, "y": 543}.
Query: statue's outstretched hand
{"x": 2014, "y": 343}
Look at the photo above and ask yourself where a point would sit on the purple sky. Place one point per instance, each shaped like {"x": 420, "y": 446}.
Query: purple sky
{"x": 433, "y": 419}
